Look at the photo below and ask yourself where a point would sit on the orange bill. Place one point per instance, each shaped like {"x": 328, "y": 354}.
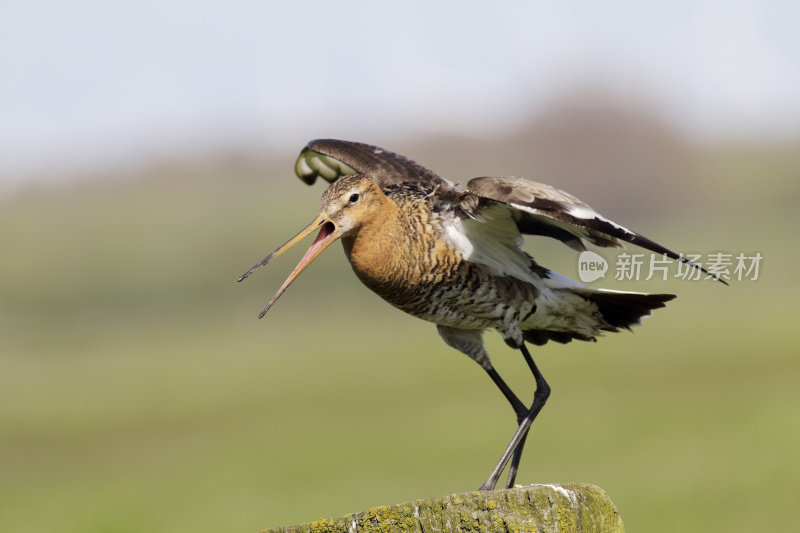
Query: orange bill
{"x": 326, "y": 236}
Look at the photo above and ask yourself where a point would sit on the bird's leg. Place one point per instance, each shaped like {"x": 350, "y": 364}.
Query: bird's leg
{"x": 512, "y": 470}
{"x": 518, "y": 440}
{"x": 519, "y": 408}
{"x": 470, "y": 343}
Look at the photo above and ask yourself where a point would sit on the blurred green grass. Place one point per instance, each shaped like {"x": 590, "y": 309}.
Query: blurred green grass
{"x": 139, "y": 392}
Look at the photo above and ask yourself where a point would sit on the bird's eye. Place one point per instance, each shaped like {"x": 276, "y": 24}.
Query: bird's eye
{"x": 354, "y": 198}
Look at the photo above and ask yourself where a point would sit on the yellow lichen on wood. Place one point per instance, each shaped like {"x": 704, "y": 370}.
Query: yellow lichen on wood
{"x": 568, "y": 508}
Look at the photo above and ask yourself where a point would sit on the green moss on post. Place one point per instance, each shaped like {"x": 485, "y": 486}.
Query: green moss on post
{"x": 569, "y": 508}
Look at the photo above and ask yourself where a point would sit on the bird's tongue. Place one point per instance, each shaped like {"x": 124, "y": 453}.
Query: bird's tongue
{"x": 324, "y": 232}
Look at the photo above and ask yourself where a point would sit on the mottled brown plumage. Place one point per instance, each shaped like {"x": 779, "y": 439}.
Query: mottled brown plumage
{"x": 451, "y": 255}
{"x": 403, "y": 255}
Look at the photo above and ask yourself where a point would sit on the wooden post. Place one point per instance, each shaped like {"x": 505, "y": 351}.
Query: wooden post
{"x": 568, "y": 508}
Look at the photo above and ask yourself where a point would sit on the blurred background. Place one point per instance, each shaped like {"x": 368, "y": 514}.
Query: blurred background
{"x": 146, "y": 160}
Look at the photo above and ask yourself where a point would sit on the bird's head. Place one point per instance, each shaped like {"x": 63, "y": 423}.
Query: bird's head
{"x": 347, "y": 205}
{"x": 351, "y": 202}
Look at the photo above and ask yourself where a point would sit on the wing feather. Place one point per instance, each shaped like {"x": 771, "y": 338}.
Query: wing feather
{"x": 492, "y": 239}
{"x": 545, "y": 210}
{"x": 330, "y": 159}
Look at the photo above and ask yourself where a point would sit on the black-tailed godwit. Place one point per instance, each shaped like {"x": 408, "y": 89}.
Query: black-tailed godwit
{"x": 452, "y": 255}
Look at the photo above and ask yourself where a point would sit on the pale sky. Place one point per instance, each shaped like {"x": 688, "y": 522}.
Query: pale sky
{"x": 88, "y": 82}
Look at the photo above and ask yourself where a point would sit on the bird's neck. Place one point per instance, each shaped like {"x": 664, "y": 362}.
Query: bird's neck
{"x": 384, "y": 251}
{"x": 370, "y": 245}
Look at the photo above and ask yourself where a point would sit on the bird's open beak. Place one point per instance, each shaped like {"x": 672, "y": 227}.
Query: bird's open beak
{"x": 326, "y": 236}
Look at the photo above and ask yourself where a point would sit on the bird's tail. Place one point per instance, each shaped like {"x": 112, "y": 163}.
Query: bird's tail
{"x": 617, "y": 310}
{"x": 625, "y": 309}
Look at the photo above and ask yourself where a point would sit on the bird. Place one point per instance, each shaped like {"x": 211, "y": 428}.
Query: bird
{"x": 453, "y": 255}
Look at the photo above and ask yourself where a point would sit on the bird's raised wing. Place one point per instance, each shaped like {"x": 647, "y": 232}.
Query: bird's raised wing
{"x": 540, "y": 209}
{"x": 330, "y": 159}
